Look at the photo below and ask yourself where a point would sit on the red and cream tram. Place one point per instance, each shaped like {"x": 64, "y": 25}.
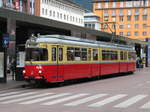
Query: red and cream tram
{"x": 56, "y": 58}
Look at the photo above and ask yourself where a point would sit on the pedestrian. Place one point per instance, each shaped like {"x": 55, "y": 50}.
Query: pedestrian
{"x": 13, "y": 68}
{"x": 139, "y": 63}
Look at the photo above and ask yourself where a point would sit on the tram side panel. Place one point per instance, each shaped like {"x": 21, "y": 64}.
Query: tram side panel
{"x": 76, "y": 70}
{"x": 123, "y": 67}
{"x": 131, "y": 66}
{"x": 109, "y": 68}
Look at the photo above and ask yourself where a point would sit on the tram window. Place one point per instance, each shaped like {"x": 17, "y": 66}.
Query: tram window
{"x": 95, "y": 54}
{"x": 36, "y": 54}
{"x": 89, "y": 54}
{"x": 70, "y": 54}
{"x": 106, "y": 55}
{"x": 77, "y": 54}
{"x": 125, "y": 55}
{"x": 84, "y": 54}
{"x": 60, "y": 53}
{"x": 121, "y": 55}
{"x": 113, "y": 55}
{"x": 54, "y": 54}
{"x": 132, "y": 56}
{"x": 109, "y": 55}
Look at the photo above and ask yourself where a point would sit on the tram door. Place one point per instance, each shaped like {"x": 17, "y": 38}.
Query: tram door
{"x": 57, "y": 58}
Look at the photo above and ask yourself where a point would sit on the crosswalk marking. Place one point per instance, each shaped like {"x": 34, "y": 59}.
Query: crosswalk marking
{"x": 5, "y": 94}
{"x": 130, "y": 101}
{"x": 146, "y": 106}
{"x": 25, "y": 98}
{"x": 68, "y": 99}
{"x": 44, "y": 98}
{"x": 64, "y": 99}
{"x": 14, "y": 96}
{"x": 78, "y": 102}
{"x": 108, "y": 100}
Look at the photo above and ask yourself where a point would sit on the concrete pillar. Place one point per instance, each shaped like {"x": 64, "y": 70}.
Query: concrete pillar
{"x": 138, "y": 50}
{"x": 11, "y": 51}
{"x": 11, "y": 30}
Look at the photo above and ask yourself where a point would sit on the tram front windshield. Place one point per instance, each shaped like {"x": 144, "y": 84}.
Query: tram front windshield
{"x": 36, "y": 54}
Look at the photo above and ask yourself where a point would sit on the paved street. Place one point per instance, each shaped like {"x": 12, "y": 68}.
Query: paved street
{"x": 129, "y": 93}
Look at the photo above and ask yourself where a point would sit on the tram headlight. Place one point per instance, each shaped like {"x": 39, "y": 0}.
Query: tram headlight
{"x": 24, "y": 71}
{"x": 40, "y": 71}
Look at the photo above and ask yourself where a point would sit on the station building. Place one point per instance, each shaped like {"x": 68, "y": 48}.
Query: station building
{"x": 92, "y": 21}
{"x": 61, "y": 10}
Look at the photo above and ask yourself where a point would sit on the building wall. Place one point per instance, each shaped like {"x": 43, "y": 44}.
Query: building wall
{"x": 112, "y": 14}
{"x": 61, "y": 11}
{"x": 26, "y": 6}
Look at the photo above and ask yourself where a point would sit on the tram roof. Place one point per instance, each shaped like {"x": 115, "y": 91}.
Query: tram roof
{"x": 69, "y": 40}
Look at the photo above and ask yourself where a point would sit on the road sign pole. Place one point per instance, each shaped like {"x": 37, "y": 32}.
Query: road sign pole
{"x": 5, "y": 45}
{"x": 5, "y": 64}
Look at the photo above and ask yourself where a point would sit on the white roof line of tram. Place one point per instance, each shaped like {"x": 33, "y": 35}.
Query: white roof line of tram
{"x": 60, "y": 39}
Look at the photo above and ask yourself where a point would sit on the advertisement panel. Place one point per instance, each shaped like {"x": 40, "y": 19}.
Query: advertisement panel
{"x": 148, "y": 52}
{"x": 1, "y": 65}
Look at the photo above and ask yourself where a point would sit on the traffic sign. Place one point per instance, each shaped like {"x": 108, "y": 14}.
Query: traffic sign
{"x": 5, "y": 40}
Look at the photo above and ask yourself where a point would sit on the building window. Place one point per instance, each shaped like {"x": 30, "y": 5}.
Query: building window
{"x": 144, "y": 11}
{"x": 50, "y": 13}
{"x": 114, "y": 4}
{"x": 42, "y": 11}
{"x": 93, "y": 26}
{"x": 121, "y": 33}
{"x": 136, "y": 26}
{"x": 144, "y": 17}
{"x": 53, "y": 13}
{"x": 120, "y": 18}
{"x": 136, "y": 11}
{"x": 128, "y": 25}
{"x": 144, "y": 33}
{"x": 136, "y": 3}
{"x": 121, "y": 26}
{"x": 99, "y": 5}
{"x": 64, "y": 17}
{"x": 45, "y": 11}
{"x": 128, "y": 12}
{"x": 121, "y": 12}
{"x": 106, "y": 18}
{"x": 106, "y": 13}
{"x": 113, "y": 13}
{"x": 121, "y": 4}
{"x": 70, "y": 18}
{"x": 58, "y": 15}
{"x": 86, "y": 25}
{"x": 113, "y": 26}
{"x": 105, "y": 26}
{"x": 128, "y": 18}
{"x": 136, "y": 33}
{"x": 136, "y": 17}
{"x": 129, "y": 33}
{"x": 106, "y": 5}
{"x": 144, "y": 26}
{"x": 114, "y": 18}
{"x": 129, "y": 4}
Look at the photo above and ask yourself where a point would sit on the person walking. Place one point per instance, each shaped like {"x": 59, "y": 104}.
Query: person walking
{"x": 139, "y": 63}
{"x": 13, "y": 68}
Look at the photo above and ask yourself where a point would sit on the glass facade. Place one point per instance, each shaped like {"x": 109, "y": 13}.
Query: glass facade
{"x": 85, "y": 3}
